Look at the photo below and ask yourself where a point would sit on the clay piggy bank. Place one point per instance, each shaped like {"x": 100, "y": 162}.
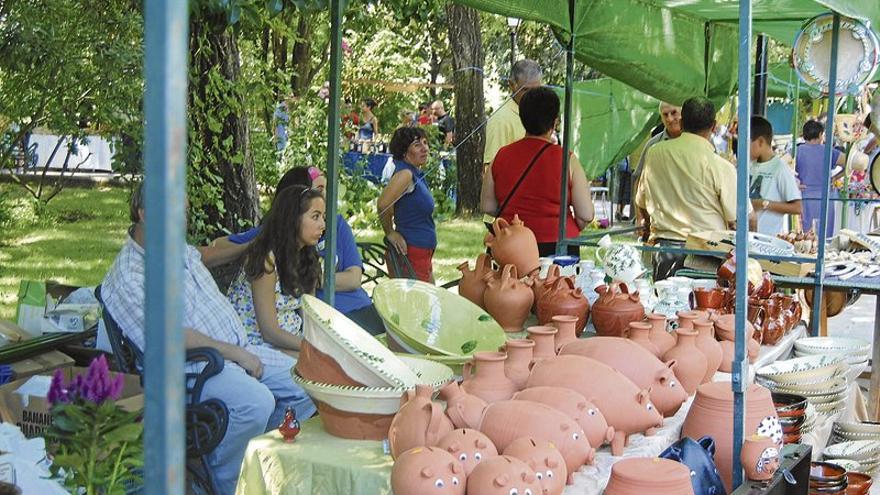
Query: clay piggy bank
{"x": 587, "y": 415}
{"x": 470, "y": 447}
{"x": 505, "y": 421}
{"x": 626, "y": 407}
{"x": 503, "y": 475}
{"x": 419, "y": 422}
{"x": 427, "y": 470}
{"x": 639, "y": 365}
{"x": 544, "y": 459}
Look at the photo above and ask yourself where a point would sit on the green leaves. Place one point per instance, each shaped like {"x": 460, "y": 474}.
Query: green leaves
{"x": 468, "y": 347}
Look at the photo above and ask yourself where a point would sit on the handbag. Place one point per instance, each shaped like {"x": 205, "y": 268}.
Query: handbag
{"x": 488, "y": 219}
{"x": 699, "y": 457}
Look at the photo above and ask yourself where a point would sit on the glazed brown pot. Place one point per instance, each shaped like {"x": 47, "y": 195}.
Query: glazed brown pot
{"x": 615, "y": 309}
{"x": 659, "y": 335}
{"x": 691, "y": 364}
{"x": 473, "y": 282}
{"x": 639, "y": 332}
{"x": 584, "y": 412}
{"x": 490, "y": 383}
{"x": 709, "y": 298}
{"x": 654, "y": 475}
{"x": 759, "y": 457}
{"x": 562, "y": 298}
{"x": 508, "y": 299}
{"x": 514, "y": 244}
{"x": 416, "y": 472}
{"x": 318, "y": 367}
{"x": 519, "y": 357}
{"x": 710, "y": 347}
{"x": 542, "y": 285}
{"x": 566, "y": 332}
{"x": 420, "y": 422}
{"x": 462, "y": 408}
{"x": 544, "y": 338}
{"x": 469, "y": 446}
{"x": 774, "y": 323}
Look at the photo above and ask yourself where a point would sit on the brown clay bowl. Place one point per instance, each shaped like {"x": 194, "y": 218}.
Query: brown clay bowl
{"x": 792, "y": 423}
{"x": 825, "y": 472}
{"x": 858, "y": 483}
{"x": 788, "y": 403}
{"x": 791, "y": 438}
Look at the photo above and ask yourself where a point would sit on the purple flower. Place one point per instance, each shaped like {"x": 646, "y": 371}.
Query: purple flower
{"x": 96, "y": 386}
{"x": 58, "y": 394}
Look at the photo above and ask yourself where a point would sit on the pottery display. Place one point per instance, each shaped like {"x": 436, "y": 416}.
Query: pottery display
{"x": 584, "y": 412}
{"x": 562, "y": 298}
{"x": 473, "y": 283}
{"x": 420, "y": 422}
{"x": 489, "y": 383}
{"x": 640, "y": 333}
{"x": 462, "y": 408}
{"x": 659, "y": 335}
{"x": 469, "y": 447}
{"x": 513, "y": 244}
{"x": 422, "y": 470}
{"x": 691, "y": 364}
{"x": 710, "y": 347}
{"x": 759, "y": 457}
{"x": 615, "y": 309}
{"x": 645, "y": 370}
{"x": 519, "y": 357}
{"x": 712, "y": 414}
{"x": 566, "y": 329}
{"x": 625, "y": 406}
{"x": 541, "y": 282}
{"x": 657, "y": 476}
{"x": 544, "y": 459}
{"x": 508, "y": 299}
{"x": 544, "y": 338}
{"x": 502, "y": 475}
{"x": 622, "y": 262}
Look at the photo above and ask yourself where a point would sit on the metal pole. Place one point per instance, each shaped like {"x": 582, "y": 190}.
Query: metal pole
{"x": 166, "y": 38}
{"x": 566, "y": 133}
{"x": 759, "y": 101}
{"x": 333, "y": 151}
{"x": 826, "y": 181}
{"x": 795, "y": 219}
{"x": 740, "y": 366}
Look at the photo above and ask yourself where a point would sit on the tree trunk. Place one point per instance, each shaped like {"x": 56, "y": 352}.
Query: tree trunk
{"x": 301, "y": 77}
{"x": 467, "y": 51}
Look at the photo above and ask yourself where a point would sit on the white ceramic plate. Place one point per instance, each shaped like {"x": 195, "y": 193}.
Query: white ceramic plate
{"x": 873, "y": 428}
{"x": 830, "y": 407}
{"x": 801, "y": 369}
{"x": 857, "y": 450}
{"x": 834, "y": 385}
{"x": 820, "y": 345}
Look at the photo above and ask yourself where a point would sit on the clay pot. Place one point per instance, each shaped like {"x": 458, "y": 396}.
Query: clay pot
{"x": 760, "y": 458}
{"x": 659, "y": 336}
{"x": 514, "y": 244}
{"x": 545, "y": 342}
{"x": 657, "y": 476}
{"x": 712, "y": 414}
{"x": 473, "y": 283}
{"x": 469, "y": 447}
{"x": 565, "y": 329}
{"x": 519, "y": 357}
{"x": 709, "y": 298}
{"x": 545, "y": 461}
{"x": 502, "y": 475}
{"x": 419, "y": 470}
{"x": 686, "y": 319}
{"x": 542, "y": 285}
{"x": 691, "y": 364}
{"x": 710, "y": 347}
{"x": 584, "y": 412}
{"x": 562, "y": 298}
{"x": 725, "y": 325}
{"x": 420, "y": 422}
{"x": 354, "y": 426}
{"x": 464, "y": 409}
{"x": 508, "y": 299}
{"x": 787, "y": 312}
{"x": 858, "y": 483}
{"x": 639, "y": 332}
{"x": 490, "y": 383}
{"x": 615, "y": 309}
{"x": 774, "y": 323}
{"x": 755, "y": 314}
{"x": 753, "y": 349}
{"x": 796, "y": 309}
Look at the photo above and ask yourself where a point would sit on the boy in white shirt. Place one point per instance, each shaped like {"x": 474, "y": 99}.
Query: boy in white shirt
{"x": 773, "y": 187}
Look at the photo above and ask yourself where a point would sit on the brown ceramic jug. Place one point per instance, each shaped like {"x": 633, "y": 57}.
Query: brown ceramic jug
{"x": 565, "y": 329}
{"x": 659, "y": 335}
{"x": 545, "y": 342}
{"x": 422, "y": 470}
{"x": 796, "y": 309}
{"x": 584, "y": 412}
{"x": 709, "y": 298}
{"x": 542, "y": 285}
{"x": 473, "y": 282}
{"x": 469, "y": 446}
{"x": 654, "y": 475}
{"x": 615, "y": 308}
{"x": 514, "y": 244}
{"x": 508, "y": 299}
{"x": 420, "y": 422}
{"x": 710, "y": 347}
{"x": 462, "y": 408}
{"x": 691, "y": 364}
{"x": 519, "y": 357}
{"x": 760, "y": 458}
{"x": 639, "y": 332}
{"x": 544, "y": 459}
{"x": 787, "y": 303}
{"x": 502, "y": 475}
{"x": 489, "y": 383}
{"x": 562, "y": 298}
{"x": 774, "y": 323}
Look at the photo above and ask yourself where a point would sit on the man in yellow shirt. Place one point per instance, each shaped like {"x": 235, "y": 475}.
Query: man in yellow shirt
{"x": 505, "y": 127}
{"x": 685, "y": 187}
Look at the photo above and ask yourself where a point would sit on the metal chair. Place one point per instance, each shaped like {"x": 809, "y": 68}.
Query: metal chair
{"x": 383, "y": 261}
{"x": 206, "y": 420}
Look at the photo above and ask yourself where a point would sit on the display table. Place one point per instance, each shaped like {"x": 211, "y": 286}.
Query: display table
{"x": 769, "y": 354}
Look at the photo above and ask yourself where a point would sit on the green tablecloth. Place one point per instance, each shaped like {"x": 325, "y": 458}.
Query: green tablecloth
{"x": 316, "y": 463}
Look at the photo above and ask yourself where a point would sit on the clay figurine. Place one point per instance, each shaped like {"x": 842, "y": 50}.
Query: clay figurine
{"x": 760, "y": 458}
{"x": 464, "y": 409}
{"x": 587, "y": 415}
{"x": 503, "y": 475}
{"x": 469, "y": 446}
{"x": 508, "y": 299}
{"x": 289, "y": 428}
{"x": 427, "y": 470}
{"x": 419, "y": 422}
{"x": 514, "y": 244}
{"x": 544, "y": 459}
{"x": 489, "y": 383}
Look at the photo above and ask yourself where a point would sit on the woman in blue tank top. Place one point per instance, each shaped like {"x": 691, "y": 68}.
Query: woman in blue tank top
{"x": 369, "y": 123}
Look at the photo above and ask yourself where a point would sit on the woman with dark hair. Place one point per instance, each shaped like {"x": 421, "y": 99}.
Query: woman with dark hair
{"x": 525, "y": 177}
{"x": 369, "y": 123}
{"x": 281, "y": 265}
{"x": 406, "y": 206}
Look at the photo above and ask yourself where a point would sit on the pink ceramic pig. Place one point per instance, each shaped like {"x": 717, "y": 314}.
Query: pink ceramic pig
{"x": 427, "y": 471}
{"x": 469, "y": 446}
{"x": 505, "y": 421}
{"x": 545, "y": 459}
{"x": 503, "y": 475}
{"x": 575, "y": 405}
{"x": 419, "y": 422}
{"x": 626, "y": 407}
{"x": 639, "y": 365}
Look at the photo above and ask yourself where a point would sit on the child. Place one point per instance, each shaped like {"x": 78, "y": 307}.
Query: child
{"x": 774, "y": 190}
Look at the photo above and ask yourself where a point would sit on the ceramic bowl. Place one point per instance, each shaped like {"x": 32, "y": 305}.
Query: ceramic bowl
{"x": 858, "y": 483}
{"x": 823, "y": 345}
{"x": 835, "y": 385}
{"x": 862, "y": 427}
{"x": 829, "y": 408}
{"x": 402, "y": 349}
{"x": 857, "y": 450}
{"x": 788, "y": 403}
{"x": 809, "y": 368}
{"x": 824, "y": 472}
{"x": 847, "y": 464}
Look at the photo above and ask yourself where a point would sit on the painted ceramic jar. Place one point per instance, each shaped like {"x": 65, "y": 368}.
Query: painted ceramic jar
{"x": 671, "y": 299}
{"x": 490, "y": 383}
{"x": 514, "y": 244}
{"x": 615, "y": 309}
{"x": 691, "y": 364}
{"x": 508, "y": 299}
{"x": 760, "y": 458}
{"x": 473, "y": 282}
{"x": 622, "y": 262}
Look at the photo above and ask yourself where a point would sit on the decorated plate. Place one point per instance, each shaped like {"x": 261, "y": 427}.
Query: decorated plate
{"x": 857, "y": 54}
{"x": 850, "y": 426}
{"x": 857, "y": 450}
{"x": 765, "y": 244}
{"x": 842, "y": 345}
{"x": 802, "y": 369}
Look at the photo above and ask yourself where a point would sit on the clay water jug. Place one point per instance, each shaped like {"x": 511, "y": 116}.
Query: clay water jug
{"x": 563, "y": 298}
{"x": 686, "y": 319}
{"x": 615, "y": 308}
{"x": 514, "y": 244}
{"x": 659, "y": 336}
{"x": 489, "y": 383}
{"x": 566, "y": 332}
{"x": 753, "y": 348}
{"x": 464, "y": 409}
{"x": 639, "y": 332}
{"x": 544, "y": 338}
{"x": 691, "y": 364}
{"x": 760, "y": 457}
{"x": 420, "y": 422}
{"x": 508, "y": 299}
{"x": 473, "y": 282}
{"x": 542, "y": 285}
{"x": 519, "y": 357}
{"x": 710, "y": 347}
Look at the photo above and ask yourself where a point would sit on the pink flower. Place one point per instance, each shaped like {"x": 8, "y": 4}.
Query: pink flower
{"x": 346, "y": 49}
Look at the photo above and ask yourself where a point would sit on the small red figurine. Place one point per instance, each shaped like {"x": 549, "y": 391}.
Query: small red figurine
{"x": 289, "y": 428}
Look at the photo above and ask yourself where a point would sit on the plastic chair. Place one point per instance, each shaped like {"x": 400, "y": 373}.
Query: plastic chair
{"x": 206, "y": 420}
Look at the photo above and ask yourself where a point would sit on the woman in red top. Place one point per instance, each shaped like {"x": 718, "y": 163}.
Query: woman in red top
{"x": 536, "y": 201}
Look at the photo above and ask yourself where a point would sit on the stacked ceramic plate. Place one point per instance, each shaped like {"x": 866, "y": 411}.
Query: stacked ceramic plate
{"x": 819, "y": 378}
{"x": 810, "y": 422}
{"x": 848, "y": 431}
{"x": 430, "y": 321}
{"x": 855, "y": 352}
{"x": 865, "y": 452}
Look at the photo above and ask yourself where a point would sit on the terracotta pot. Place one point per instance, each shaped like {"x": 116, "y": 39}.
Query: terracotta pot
{"x": 760, "y": 458}
{"x": 514, "y": 244}
{"x": 519, "y": 357}
{"x": 727, "y": 353}
{"x": 544, "y": 459}
{"x": 858, "y": 483}
{"x": 464, "y": 409}
{"x": 490, "y": 383}
{"x": 797, "y": 309}
{"x": 639, "y": 332}
{"x": 774, "y": 324}
{"x": 418, "y": 471}
{"x": 318, "y": 367}
{"x": 473, "y": 282}
{"x": 725, "y": 325}
{"x": 354, "y": 426}
{"x": 626, "y": 407}
{"x": 584, "y": 412}
{"x": 709, "y": 298}
{"x": 710, "y": 347}
{"x": 615, "y": 309}
{"x": 712, "y": 414}
{"x": 691, "y": 363}
{"x": 562, "y": 298}
{"x": 508, "y": 299}
{"x": 755, "y": 314}
{"x": 502, "y": 475}
{"x": 542, "y": 285}
{"x": 565, "y": 329}
{"x": 686, "y": 319}
{"x": 469, "y": 447}
{"x": 420, "y": 422}
{"x": 645, "y": 370}
{"x": 657, "y": 476}
{"x": 659, "y": 335}
{"x": 545, "y": 342}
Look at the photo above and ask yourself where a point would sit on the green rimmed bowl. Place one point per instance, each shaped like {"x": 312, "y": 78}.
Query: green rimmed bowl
{"x": 401, "y": 349}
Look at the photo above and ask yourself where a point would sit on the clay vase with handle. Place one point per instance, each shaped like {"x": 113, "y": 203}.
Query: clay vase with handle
{"x": 562, "y": 298}
{"x": 565, "y": 329}
{"x": 774, "y": 322}
{"x": 659, "y": 336}
{"x": 489, "y": 383}
{"x": 615, "y": 309}
{"x": 519, "y": 357}
{"x": 420, "y": 422}
{"x": 462, "y": 408}
{"x": 514, "y": 244}
{"x": 710, "y": 347}
{"x": 691, "y": 364}
{"x": 542, "y": 285}
{"x": 473, "y": 283}
{"x": 508, "y": 299}
{"x": 639, "y": 332}
{"x": 545, "y": 342}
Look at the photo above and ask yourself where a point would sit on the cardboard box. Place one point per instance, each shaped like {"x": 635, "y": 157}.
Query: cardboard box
{"x": 723, "y": 241}
{"x": 10, "y": 333}
{"x": 44, "y": 363}
{"x": 41, "y": 310}
{"x": 30, "y": 412}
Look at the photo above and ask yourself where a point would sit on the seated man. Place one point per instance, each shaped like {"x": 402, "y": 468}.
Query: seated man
{"x": 255, "y": 384}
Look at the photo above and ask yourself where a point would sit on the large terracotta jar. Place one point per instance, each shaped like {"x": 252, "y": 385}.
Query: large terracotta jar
{"x": 489, "y": 383}
{"x": 639, "y": 332}
{"x": 420, "y": 422}
{"x": 519, "y": 357}
{"x": 587, "y": 414}
{"x": 544, "y": 458}
{"x": 462, "y": 408}
{"x": 514, "y": 244}
{"x": 508, "y": 299}
{"x": 542, "y": 285}
{"x": 710, "y": 347}
{"x": 473, "y": 282}
{"x": 562, "y": 298}
{"x": 712, "y": 414}
{"x": 545, "y": 342}
{"x": 659, "y": 335}
{"x": 691, "y": 364}
{"x": 416, "y": 472}
{"x": 654, "y": 475}
{"x": 615, "y": 309}
{"x": 566, "y": 332}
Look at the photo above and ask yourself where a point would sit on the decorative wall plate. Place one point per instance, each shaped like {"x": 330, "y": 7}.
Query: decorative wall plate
{"x": 858, "y": 54}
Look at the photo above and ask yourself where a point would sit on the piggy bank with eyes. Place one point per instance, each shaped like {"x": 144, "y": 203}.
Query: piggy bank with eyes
{"x": 469, "y": 446}
{"x": 503, "y": 475}
{"x": 587, "y": 415}
{"x": 544, "y": 459}
{"x": 427, "y": 471}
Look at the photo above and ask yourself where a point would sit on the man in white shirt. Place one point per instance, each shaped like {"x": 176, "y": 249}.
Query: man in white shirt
{"x": 774, "y": 190}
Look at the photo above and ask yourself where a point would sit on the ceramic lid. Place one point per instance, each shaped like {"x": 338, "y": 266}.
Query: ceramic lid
{"x": 654, "y": 471}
